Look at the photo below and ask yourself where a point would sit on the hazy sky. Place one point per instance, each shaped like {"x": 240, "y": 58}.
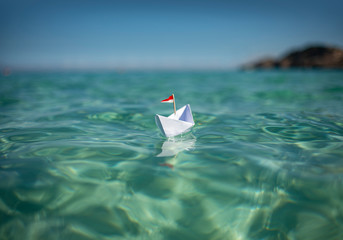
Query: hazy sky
{"x": 43, "y": 34}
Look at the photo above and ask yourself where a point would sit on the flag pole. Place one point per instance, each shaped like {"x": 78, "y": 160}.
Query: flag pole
{"x": 174, "y": 104}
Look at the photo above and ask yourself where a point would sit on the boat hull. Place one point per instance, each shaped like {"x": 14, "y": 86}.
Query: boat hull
{"x": 175, "y": 124}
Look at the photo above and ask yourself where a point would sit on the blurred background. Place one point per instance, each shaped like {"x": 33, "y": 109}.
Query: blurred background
{"x": 164, "y": 34}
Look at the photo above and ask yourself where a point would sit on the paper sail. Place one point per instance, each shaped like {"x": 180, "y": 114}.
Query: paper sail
{"x": 177, "y": 123}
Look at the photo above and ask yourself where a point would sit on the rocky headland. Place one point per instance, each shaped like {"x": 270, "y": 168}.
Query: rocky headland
{"x": 309, "y": 57}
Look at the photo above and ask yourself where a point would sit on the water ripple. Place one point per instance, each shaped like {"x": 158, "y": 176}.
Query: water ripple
{"x": 82, "y": 158}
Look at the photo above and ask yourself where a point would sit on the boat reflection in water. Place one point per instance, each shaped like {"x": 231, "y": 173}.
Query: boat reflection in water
{"x": 173, "y": 146}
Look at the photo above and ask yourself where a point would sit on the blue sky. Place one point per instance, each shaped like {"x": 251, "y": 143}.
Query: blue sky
{"x": 90, "y": 34}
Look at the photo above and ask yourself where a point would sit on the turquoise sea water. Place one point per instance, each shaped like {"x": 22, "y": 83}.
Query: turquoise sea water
{"x": 82, "y": 158}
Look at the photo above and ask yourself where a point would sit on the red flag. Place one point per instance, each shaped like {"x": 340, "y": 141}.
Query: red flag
{"x": 169, "y": 100}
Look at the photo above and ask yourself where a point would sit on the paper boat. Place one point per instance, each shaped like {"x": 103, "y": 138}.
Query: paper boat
{"x": 177, "y": 123}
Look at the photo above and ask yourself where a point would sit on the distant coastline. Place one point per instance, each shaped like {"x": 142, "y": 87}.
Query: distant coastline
{"x": 317, "y": 57}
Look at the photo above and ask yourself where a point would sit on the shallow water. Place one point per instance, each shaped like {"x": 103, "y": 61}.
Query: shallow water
{"x": 82, "y": 158}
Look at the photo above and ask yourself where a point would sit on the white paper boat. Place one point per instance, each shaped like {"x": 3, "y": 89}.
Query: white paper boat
{"x": 177, "y": 123}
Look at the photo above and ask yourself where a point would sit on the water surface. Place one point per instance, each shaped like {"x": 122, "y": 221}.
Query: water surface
{"x": 82, "y": 158}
